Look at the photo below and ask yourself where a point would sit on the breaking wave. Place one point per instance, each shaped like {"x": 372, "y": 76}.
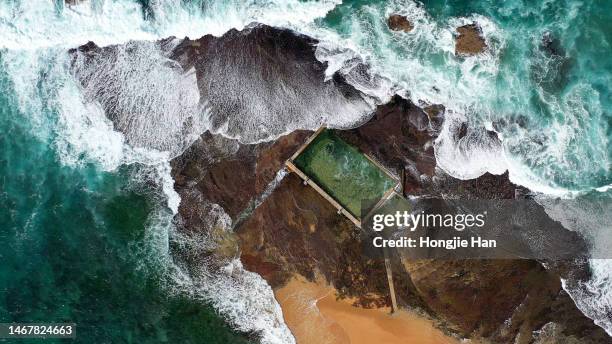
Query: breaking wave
{"x": 516, "y": 103}
{"x": 147, "y": 96}
{"x": 206, "y": 268}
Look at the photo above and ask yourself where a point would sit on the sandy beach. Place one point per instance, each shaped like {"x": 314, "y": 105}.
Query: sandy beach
{"x": 315, "y": 317}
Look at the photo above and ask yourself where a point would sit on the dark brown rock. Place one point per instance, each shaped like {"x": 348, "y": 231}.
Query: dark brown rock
{"x": 503, "y": 300}
{"x": 265, "y": 77}
{"x": 296, "y": 231}
{"x": 89, "y": 47}
{"x": 435, "y": 112}
{"x": 469, "y": 40}
{"x": 399, "y": 22}
{"x": 232, "y": 178}
{"x": 397, "y": 135}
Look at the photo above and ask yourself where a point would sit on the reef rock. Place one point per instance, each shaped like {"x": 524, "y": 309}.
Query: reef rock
{"x": 295, "y": 231}
{"x": 229, "y": 173}
{"x": 469, "y": 40}
{"x": 506, "y": 301}
{"x": 399, "y": 22}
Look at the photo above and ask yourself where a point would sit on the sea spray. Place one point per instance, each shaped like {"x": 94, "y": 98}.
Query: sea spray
{"x": 470, "y": 155}
{"x": 552, "y": 134}
{"x": 465, "y": 86}
{"x": 94, "y": 241}
{"x": 115, "y": 22}
{"x": 255, "y": 93}
{"x": 149, "y": 98}
{"x": 75, "y": 142}
{"x": 485, "y": 90}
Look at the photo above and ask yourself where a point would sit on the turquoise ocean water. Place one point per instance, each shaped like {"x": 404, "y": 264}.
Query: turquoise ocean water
{"x": 85, "y": 237}
{"x": 77, "y": 247}
{"x": 555, "y": 98}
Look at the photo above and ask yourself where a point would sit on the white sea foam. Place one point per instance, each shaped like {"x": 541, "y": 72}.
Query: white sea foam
{"x": 247, "y": 300}
{"x": 242, "y": 297}
{"x": 398, "y": 62}
{"x": 85, "y": 135}
{"x": 148, "y": 96}
{"x": 33, "y": 24}
{"x": 467, "y": 87}
{"x": 594, "y": 297}
{"x": 468, "y": 96}
{"x": 470, "y": 156}
{"x": 604, "y": 188}
{"x": 247, "y": 105}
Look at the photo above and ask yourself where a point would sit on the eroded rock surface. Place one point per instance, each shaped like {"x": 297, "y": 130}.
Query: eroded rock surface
{"x": 234, "y": 176}
{"x": 295, "y": 230}
{"x": 503, "y": 300}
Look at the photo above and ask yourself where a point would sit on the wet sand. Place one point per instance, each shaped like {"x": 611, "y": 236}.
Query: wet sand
{"x": 314, "y": 316}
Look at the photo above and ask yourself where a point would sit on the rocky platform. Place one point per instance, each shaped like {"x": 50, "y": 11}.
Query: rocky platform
{"x": 295, "y": 231}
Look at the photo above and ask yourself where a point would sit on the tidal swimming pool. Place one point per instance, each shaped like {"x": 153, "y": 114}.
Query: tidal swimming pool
{"x": 343, "y": 172}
